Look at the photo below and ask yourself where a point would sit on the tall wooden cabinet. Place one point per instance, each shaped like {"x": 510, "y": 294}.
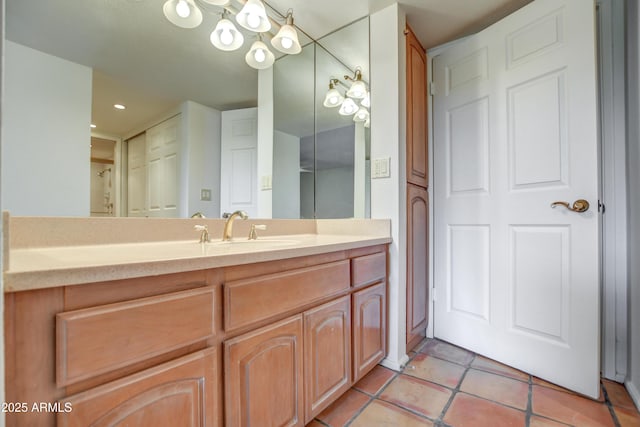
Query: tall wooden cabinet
{"x": 417, "y": 184}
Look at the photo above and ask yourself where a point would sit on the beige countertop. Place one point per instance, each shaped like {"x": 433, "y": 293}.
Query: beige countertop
{"x": 33, "y": 264}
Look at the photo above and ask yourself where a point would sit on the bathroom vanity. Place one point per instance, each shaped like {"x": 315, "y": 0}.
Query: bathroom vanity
{"x": 107, "y": 331}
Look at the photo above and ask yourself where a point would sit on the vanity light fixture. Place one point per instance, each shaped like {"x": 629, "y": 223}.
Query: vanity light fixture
{"x": 259, "y": 56}
{"x": 119, "y": 106}
{"x": 361, "y": 115}
{"x": 226, "y": 36}
{"x": 348, "y": 107}
{"x": 358, "y": 89}
{"x": 183, "y": 13}
{"x": 366, "y": 101}
{"x": 92, "y": 126}
{"x": 286, "y": 41}
{"x": 333, "y": 98}
{"x": 253, "y": 17}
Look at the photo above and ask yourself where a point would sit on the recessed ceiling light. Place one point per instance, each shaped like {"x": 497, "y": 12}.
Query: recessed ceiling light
{"x": 92, "y": 126}
{"x": 119, "y": 106}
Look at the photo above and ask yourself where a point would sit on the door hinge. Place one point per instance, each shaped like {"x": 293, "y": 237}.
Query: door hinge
{"x": 432, "y": 89}
{"x": 601, "y": 207}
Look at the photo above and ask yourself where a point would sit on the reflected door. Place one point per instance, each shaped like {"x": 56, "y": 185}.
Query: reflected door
{"x": 515, "y": 118}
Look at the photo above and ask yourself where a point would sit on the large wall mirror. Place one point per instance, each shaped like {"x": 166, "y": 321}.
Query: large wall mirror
{"x": 319, "y": 153}
{"x": 67, "y": 63}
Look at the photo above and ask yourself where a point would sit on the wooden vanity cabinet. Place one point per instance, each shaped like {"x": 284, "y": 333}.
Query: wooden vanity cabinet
{"x": 264, "y": 344}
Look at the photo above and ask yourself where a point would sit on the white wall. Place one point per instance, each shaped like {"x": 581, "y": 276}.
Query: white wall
{"x": 2, "y": 50}
{"x": 388, "y": 195}
{"x": 286, "y": 175}
{"x": 46, "y": 134}
{"x": 334, "y": 193}
{"x": 265, "y": 141}
{"x": 633, "y": 186}
{"x": 200, "y": 159}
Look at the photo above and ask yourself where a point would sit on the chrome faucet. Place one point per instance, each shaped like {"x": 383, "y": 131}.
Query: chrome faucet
{"x": 227, "y": 234}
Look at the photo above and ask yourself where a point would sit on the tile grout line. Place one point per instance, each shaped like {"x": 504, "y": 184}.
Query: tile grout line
{"x": 609, "y": 404}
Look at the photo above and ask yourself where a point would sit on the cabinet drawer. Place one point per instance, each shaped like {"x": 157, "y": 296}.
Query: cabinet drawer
{"x": 178, "y": 393}
{"x": 368, "y": 269}
{"x": 251, "y": 300}
{"x": 100, "y": 339}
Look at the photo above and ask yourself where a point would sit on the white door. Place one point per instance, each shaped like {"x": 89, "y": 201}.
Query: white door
{"x": 515, "y": 129}
{"x": 137, "y": 176}
{"x": 163, "y": 145}
{"x": 239, "y": 162}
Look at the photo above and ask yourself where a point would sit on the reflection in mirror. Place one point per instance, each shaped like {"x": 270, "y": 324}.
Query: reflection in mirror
{"x": 293, "y": 157}
{"x": 332, "y": 149}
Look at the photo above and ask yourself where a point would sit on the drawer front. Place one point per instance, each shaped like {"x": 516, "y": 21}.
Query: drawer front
{"x": 100, "y": 339}
{"x": 368, "y": 269}
{"x": 252, "y": 300}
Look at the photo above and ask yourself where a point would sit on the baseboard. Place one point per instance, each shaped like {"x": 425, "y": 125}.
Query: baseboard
{"x": 395, "y": 365}
{"x": 634, "y": 393}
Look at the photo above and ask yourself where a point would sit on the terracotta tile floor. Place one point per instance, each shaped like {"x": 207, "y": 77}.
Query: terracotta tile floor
{"x": 446, "y": 386}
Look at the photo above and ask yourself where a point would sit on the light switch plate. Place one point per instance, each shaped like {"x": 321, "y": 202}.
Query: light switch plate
{"x": 205, "y": 195}
{"x": 381, "y": 168}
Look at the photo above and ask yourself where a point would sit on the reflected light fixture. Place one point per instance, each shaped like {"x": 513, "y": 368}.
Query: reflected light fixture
{"x": 226, "y": 36}
{"x": 358, "y": 89}
{"x": 333, "y": 98}
{"x": 183, "y": 13}
{"x": 119, "y": 106}
{"x": 366, "y": 101}
{"x": 253, "y": 17}
{"x": 361, "y": 115}
{"x": 286, "y": 41}
{"x": 259, "y": 56}
{"x": 217, "y": 2}
{"x": 348, "y": 107}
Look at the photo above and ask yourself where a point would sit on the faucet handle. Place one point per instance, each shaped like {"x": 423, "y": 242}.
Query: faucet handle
{"x": 252, "y": 233}
{"x": 226, "y": 215}
{"x": 204, "y": 235}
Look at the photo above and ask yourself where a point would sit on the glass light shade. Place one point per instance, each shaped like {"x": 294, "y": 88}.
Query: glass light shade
{"x": 348, "y": 107}
{"x": 182, "y": 13}
{"x": 366, "y": 101}
{"x": 226, "y": 36}
{"x": 253, "y": 17}
{"x": 333, "y": 98}
{"x": 367, "y": 123}
{"x": 217, "y": 2}
{"x": 361, "y": 115}
{"x": 358, "y": 90}
{"x": 259, "y": 56}
{"x": 286, "y": 41}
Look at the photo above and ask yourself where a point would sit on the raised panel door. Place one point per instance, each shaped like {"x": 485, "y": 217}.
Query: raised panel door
{"x": 327, "y": 354}
{"x": 180, "y": 393}
{"x": 417, "y": 172}
{"x": 263, "y": 376}
{"x": 417, "y": 265}
{"x": 369, "y": 328}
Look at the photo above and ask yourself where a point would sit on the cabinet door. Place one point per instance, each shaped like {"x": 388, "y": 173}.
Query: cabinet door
{"x": 327, "y": 354}
{"x": 180, "y": 393}
{"x": 417, "y": 278}
{"x": 416, "y": 111}
{"x": 369, "y": 328}
{"x": 263, "y": 376}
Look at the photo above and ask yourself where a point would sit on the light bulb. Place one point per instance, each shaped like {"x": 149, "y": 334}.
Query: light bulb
{"x": 253, "y": 20}
{"x": 286, "y": 42}
{"x": 259, "y": 55}
{"x": 333, "y": 100}
{"x": 182, "y": 9}
{"x": 226, "y": 37}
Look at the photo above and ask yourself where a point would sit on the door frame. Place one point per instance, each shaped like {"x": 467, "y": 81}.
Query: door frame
{"x": 614, "y": 314}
